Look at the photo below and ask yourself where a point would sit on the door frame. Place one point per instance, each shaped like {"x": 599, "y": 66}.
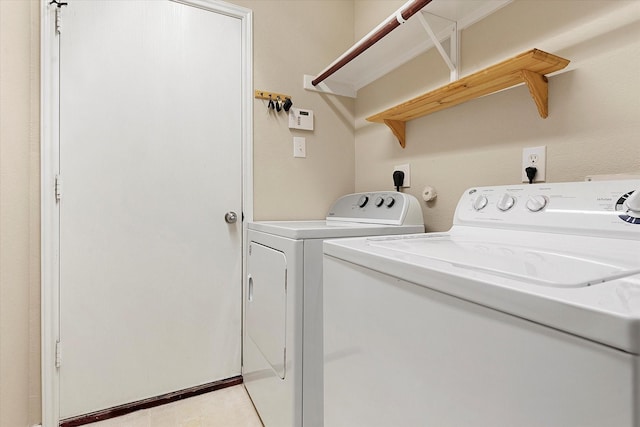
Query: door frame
{"x": 50, "y": 165}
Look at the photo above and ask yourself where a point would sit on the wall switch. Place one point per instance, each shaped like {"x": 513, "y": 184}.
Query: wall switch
{"x": 536, "y": 157}
{"x": 299, "y": 147}
{"x": 406, "y": 168}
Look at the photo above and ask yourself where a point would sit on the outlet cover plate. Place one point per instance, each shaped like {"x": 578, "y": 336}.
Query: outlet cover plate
{"x": 537, "y": 157}
{"x": 406, "y": 168}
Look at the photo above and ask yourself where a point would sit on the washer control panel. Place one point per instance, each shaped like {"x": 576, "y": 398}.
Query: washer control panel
{"x": 590, "y": 208}
{"x": 379, "y": 207}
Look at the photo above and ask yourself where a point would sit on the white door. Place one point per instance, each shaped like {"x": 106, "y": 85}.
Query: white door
{"x": 150, "y": 162}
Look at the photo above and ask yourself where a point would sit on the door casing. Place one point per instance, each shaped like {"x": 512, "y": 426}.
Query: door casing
{"x": 50, "y": 165}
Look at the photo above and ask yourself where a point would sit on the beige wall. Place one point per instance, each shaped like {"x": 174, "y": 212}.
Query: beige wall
{"x": 19, "y": 214}
{"x": 594, "y": 118}
{"x": 370, "y": 13}
{"x": 293, "y": 38}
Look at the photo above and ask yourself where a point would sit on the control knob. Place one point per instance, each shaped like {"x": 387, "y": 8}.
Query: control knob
{"x": 629, "y": 207}
{"x": 389, "y": 201}
{"x": 633, "y": 201}
{"x": 480, "y": 202}
{"x": 536, "y": 203}
{"x": 506, "y": 202}
{"x": 379, "y": 201}
{"x": 362, "y": 201}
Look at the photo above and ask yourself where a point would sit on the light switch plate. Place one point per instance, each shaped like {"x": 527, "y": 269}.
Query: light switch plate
{"x": 299, "y": 147}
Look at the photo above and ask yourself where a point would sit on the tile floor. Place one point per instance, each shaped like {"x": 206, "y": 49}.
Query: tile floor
{"x": 229, "y": 407}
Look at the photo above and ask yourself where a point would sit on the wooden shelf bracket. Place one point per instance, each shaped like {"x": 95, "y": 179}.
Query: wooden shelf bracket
{"x": 398, "y": 129}
{"x": 539, "y": 90}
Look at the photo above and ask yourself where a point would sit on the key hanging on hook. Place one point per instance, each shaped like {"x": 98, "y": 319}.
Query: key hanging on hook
{"x": 287, "y": 104}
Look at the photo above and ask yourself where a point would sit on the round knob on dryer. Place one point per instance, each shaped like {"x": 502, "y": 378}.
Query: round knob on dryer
{"x": 506, "y": 202}
{"x": 536, "y": 203}
{"x": 480, "y": 202}
{"x": 389, "y": 201}
{"x": 362, "y": 201}
{"x": 379, "y": 201}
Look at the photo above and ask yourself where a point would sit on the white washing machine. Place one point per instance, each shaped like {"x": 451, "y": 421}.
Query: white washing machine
{"x": 526, "y": 313}
{"x": 282, "y": 352}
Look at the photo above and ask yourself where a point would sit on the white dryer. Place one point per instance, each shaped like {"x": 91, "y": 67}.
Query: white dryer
{"x": 282, "y": 351}
{"x": 526, "y": 313}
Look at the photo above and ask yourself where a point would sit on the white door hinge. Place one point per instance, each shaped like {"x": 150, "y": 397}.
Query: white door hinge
{"x": 58, "y": 188}
{"x": 58, "y": 20}
{"x": 58, "y": 13}
{"x": 58, "y": 354}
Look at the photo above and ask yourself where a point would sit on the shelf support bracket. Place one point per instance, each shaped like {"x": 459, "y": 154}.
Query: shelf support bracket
{"x": 539, "y": 90}
{"x": 450, "y": 59}
{"x": 398, "y": 129}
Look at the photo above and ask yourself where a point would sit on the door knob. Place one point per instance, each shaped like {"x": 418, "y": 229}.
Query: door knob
{"x": 230, "y": 217}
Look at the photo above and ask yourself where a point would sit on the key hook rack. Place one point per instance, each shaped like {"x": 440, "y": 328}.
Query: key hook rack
{"x": 277, "y": 101}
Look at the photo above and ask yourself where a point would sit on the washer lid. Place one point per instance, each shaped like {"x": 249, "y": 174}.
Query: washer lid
{"x": 542, "y": 277}
{"x": 565, "y": 264}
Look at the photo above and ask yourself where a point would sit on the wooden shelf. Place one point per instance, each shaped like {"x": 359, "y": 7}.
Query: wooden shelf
{"x": 529, "y": 67}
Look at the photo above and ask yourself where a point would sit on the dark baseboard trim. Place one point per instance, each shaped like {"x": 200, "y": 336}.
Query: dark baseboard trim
{"x": 151, "y": 402}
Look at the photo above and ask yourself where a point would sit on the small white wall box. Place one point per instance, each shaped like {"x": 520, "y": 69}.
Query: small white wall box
{"x": 300, "y": 119}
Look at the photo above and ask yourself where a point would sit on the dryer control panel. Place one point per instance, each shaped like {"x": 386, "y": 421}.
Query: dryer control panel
{"x": 603, "y": 208}
{"x": 377, "y": 207}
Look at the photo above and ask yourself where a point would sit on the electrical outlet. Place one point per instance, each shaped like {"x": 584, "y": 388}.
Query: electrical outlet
{"x": 536, "y": 157}
{"x": 406, "y": 168}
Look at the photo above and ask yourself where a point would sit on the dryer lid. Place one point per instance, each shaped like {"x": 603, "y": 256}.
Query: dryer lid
{"x": 329, "y": 229}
